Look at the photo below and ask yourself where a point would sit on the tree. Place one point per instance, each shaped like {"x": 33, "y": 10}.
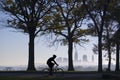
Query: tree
{"x": 66, "y": 20}
{"x": 117, "y": 55}
{"x": 115, "y": 39}
{"x": 115, "y": 11}
{"x": 97, "y": 12}
{"x": 27, "y": 16}
{"x": 108, "y": 46}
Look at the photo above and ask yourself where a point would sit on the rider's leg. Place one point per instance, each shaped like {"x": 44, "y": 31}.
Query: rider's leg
{"x": 51, "y": 68}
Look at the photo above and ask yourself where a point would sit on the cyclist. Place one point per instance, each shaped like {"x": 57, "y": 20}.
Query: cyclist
{"x": 51, "y": 62}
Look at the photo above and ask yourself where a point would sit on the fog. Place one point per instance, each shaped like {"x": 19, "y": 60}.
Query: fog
{"x": 78, "y": 66}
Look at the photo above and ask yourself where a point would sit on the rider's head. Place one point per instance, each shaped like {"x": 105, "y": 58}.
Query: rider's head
{"x": 54, "y": 56}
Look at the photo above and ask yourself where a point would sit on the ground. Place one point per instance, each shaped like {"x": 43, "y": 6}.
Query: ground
{"x": 37, "y": 75}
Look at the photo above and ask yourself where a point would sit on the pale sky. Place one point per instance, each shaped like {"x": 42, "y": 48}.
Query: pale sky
{"x": 14, "y": 47}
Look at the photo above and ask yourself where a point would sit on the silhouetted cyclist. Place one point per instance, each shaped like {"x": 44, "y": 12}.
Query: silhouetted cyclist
{"x": 51, "y": 62}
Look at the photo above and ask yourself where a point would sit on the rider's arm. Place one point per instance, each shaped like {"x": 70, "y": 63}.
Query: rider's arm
{"x": 56, "y": 63}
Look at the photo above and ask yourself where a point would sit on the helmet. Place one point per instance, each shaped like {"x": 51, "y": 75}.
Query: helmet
{"x": 54, "y": 56}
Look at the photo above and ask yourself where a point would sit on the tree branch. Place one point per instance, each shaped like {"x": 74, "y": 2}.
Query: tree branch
{"x": 84, "y": 3}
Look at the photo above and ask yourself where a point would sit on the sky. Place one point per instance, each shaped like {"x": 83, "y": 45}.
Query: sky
{"x": 14, "y": 47}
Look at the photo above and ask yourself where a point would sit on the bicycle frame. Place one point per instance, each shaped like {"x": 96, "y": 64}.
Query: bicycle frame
{"x": 56, "y": 71}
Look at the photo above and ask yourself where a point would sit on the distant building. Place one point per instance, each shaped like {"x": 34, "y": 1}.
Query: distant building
{"x": 76, "y": 56}
{"x": 92, "y": 58}
{"x": 85, "y": 58}
{"x": 65, "y": 59}
{"x": 59, "y": 59}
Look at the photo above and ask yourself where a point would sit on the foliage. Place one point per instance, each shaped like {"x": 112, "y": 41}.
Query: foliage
{"x": 26, "y": 13}
{"x": 66, "y": 20}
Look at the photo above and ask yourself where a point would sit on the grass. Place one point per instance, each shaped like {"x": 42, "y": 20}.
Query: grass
{"x": 19, "y": 77}
{"x": 48, "y": 78}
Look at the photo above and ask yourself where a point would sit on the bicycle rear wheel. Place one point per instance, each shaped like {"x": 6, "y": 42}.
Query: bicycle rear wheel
{"x": 45, "y": 72}
{"x": 58, "y": 72}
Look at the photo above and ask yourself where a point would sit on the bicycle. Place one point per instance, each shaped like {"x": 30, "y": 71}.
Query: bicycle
{"x": 56, "y": 71}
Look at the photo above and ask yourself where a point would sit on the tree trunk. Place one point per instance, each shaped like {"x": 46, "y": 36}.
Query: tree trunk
{"x": 109, "y": 61}
{"x": 31, "y": 66}
{"x": 117, "y": 57}
{"x": 100, "y": 53}
{"x": 109, "y": 50}
{"x": 70, "y": 56}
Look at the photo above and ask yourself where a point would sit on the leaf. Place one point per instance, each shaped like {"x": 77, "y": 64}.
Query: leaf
{"x": 9, "y": 1}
